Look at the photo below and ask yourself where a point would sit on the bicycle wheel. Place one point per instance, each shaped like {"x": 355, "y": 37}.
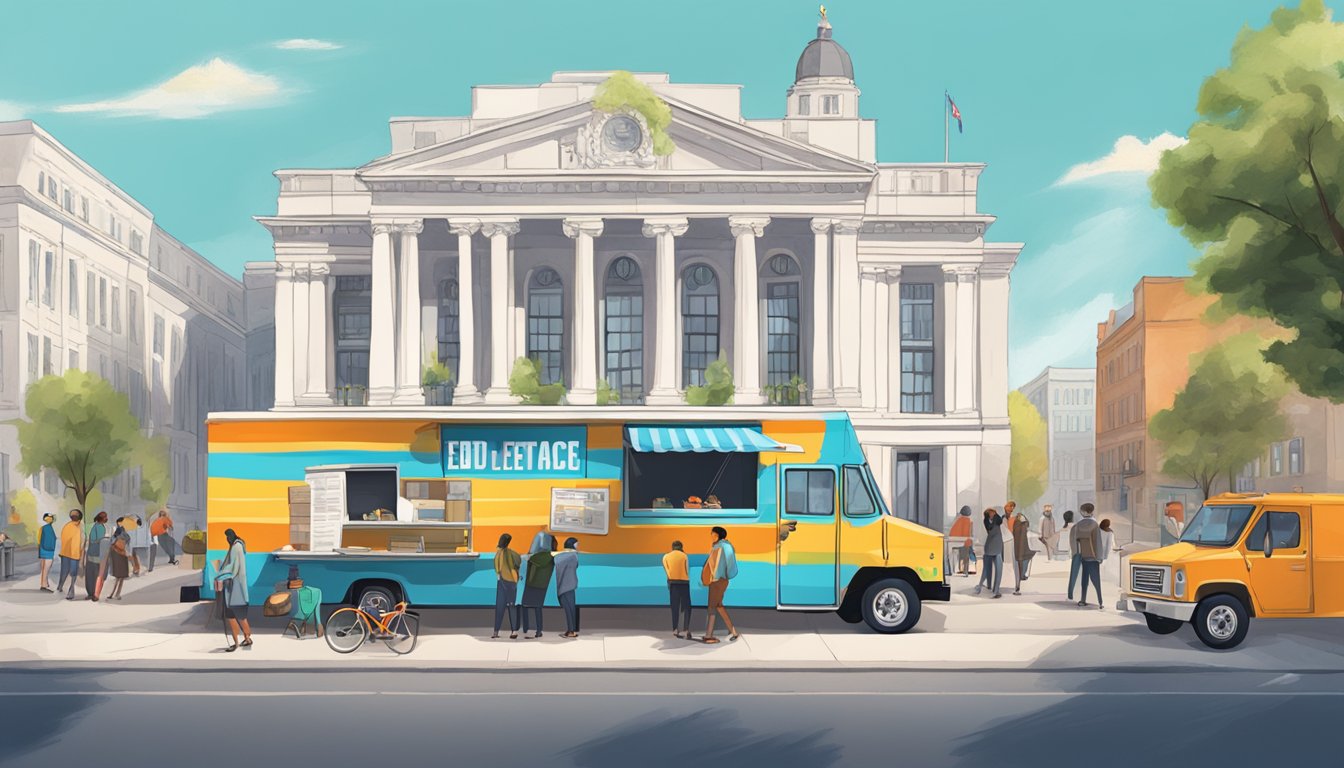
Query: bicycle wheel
{"x": 346, "y": 630}
{"x": 404, "y": 631}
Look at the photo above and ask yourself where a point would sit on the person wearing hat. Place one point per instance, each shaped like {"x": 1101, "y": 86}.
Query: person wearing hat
{"x": 567, "y": 585}
{"x": 46, "y": 549}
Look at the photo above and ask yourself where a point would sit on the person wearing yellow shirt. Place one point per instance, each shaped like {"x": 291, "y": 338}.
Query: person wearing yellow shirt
{"x": 507, "y": 563}
{"x": 679, "y": 589}
{"x": 72, "y": 549}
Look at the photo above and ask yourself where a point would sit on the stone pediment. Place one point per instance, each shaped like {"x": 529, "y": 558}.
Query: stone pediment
{"x": 578, "y": 140}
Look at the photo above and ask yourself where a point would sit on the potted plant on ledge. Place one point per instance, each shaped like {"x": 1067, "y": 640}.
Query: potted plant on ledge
{"x": 436, "y": 380}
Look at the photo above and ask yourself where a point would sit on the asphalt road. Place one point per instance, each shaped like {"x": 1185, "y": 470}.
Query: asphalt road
{"x": 679, "y": 719}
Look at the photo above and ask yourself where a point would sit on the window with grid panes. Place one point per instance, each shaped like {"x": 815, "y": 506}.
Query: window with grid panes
{"x": 623, "y": 329}
{"x": 351, "y": 304}
{"x": 917, "y": 352}
{"x": 782, "y": 321}
{"x": 449, "y": 335}
{"x": 699, "y": 323}
{"x": 546, "y": 324}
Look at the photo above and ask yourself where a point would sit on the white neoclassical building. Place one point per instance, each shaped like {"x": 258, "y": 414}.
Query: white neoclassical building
{"x": 540, "y": 226}
{"x": 89, "y": 280}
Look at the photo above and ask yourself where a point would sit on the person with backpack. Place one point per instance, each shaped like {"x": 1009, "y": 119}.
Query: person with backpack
{"x": 567, "y": 585}
{"x": 1085, "y": 540}
{"x": 720, "y": 568}
{"x": 540, "y": 567}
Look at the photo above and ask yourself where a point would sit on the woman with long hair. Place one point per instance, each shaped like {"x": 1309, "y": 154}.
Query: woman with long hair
{"x": 119, "y": 558}
{"x": 232, "y": 579}
{"x": 95, "y": 557}
{"x": 507, "y": 563}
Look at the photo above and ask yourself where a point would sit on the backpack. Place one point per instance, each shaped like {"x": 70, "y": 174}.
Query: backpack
{"x": 1087, "y": 546}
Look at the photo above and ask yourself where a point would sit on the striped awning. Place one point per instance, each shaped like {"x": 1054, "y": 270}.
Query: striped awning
{"x": 707, "y": 439}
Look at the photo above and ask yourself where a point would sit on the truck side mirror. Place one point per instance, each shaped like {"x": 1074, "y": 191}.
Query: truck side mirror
{"x": 1269, "y": 542}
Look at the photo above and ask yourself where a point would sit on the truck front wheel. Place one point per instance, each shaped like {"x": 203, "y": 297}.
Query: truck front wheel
{"x": 891, "y": 606}
{"x": 1161, "y": 625}
{"x": 1221, "y": 622}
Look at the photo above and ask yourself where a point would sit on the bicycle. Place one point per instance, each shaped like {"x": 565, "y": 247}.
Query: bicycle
{"x": 349, "y": 628}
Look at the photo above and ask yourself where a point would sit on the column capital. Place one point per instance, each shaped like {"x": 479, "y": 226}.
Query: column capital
{"x": 466, "y": 227}
{"x": 319, "y": 271}
{"x": 846, "y": 226}
{"x": 285, "y": 271}
{"x": 383, "y": 227}
{"x": 744, "y": 225}
{"x": 677, "y": 226}
{"x": 821, "y": 226}
{"x": 507, "y": 227}
{"x": 989, "y": 271}
{"x": 959, "y": 273}
{"x": 413, "y": 227}
{"x": 893, "y": 273}
{"x": 873, "y": 272}
{"x": 582, "y": 226}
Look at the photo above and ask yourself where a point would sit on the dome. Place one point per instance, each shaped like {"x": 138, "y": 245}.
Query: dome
{"x": 823, "y": 57}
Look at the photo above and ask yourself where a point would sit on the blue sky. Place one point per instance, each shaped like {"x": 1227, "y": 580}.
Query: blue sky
{"x": 1043, "y": 87}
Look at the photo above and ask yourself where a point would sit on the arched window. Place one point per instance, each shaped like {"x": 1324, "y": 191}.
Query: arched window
{"x": 623, "y": 332}
{"x": 450, "y": 342}
{"x": 546, "y": 323}
{"x": 699, "y": 323}
{"x": 783, "y": 325}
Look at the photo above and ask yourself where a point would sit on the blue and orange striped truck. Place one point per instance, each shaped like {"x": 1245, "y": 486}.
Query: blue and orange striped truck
{"x": 377, "y": 506}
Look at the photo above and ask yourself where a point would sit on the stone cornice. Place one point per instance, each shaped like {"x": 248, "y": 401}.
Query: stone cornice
{"x": 923, "y": 228}
{"x": 623, "y": 186}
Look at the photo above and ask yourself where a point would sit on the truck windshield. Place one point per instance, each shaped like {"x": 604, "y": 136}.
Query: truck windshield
{"x": 1217, "y": 526}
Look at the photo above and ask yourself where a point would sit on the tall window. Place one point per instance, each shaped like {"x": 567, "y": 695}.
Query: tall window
{"x": 116, "y": 309}
{"x": 33, "y": 358}
{"x": 782, "y": 321}
{"x": 74, "y": 287}
{"x": 546, "y": 323}
{"x": 158, "y": 335}
{"x": 1295, "y": 463}
{"x": 1276, "y": 459}
{"x": 48, "y": 365}
{"x": 804, "y": 104}
{"x": 450, "y": 340}
{"x": 133, "y": 313}
{"x": 34, "y": 269}
{"x": 699, "y": 323}
{"x": 74, "y": 359}
{"x": 102, "y": 302}
{"x": 90, "y": 296}
{"x": 917, "y": 347}
{"x": 49, "y": 279}
{"x": 830, "y": 105}
{"x": 623, "y": 331}
{"x": 912, "y": 487}
{"x": 351, "y": 305}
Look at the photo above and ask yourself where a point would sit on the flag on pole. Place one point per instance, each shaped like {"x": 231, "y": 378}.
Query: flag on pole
{"x": 956, "y": 113}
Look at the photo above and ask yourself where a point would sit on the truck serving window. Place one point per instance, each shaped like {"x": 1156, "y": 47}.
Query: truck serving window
{"x": 667, "y": 480}
{"x": 367, "y": 490}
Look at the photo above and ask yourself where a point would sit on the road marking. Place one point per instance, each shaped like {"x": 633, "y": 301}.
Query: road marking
{"x": 664, "y": 694}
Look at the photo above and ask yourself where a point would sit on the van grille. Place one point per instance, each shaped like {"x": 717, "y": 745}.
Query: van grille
{"x": 1149, "y": 579}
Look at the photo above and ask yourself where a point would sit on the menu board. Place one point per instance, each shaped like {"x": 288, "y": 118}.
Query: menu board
{"x": 580, "y": 510}
{"x": 327, "y": 509}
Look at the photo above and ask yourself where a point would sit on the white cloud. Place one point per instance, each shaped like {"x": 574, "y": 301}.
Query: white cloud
{"x": 12, "y": 110}
{"x": 1129, "y": 155}
{"x": 215, "y": 86}
{"x": 307, "y": 44}
{"x": 1070, "y": 341}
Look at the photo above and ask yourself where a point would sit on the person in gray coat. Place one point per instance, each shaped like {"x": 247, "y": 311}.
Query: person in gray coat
{"x": 1085, "y": 542}
{"x": 992, "y": 570}
{"x": 231, "y": 577}
{"x": 567, "y": 583}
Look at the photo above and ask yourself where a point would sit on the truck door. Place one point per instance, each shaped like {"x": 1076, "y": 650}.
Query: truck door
{"x": 808, "y": 538}
{"x": 1282, "y": 581}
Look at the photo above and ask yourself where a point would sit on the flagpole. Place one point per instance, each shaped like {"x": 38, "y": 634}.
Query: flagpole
{"x": 946, "y": 126}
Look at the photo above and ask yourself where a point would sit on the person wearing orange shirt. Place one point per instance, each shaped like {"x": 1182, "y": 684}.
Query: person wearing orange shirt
{"x": 677, "y": 567}
{"x": 72, "y": 550}
{"x": 162, "y": 531}
{"x": 961, "y": 537}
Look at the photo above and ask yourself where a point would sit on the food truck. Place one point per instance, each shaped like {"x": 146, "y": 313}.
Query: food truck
{"x": 374, "y": 507}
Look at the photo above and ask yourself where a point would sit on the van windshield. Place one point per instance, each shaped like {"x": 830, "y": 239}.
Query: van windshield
{"x": 1217, "y": 526}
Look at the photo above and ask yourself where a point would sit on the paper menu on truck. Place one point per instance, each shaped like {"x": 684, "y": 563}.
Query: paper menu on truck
{"x": 327, "y": 509}
{"x": 580, "y": 510}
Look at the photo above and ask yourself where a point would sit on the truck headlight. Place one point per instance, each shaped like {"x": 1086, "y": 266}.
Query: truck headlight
{"x": 1179, "y": 590}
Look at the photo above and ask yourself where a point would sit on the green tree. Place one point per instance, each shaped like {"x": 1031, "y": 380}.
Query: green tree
{"x": 622, "y": 91}
{"x": 1258, "y": 187}
{"x": 79, "y": 427}
{"x": 525, "y": 384}
{"x": 1227, "y": 414}
{"x": 1028, "y": 460}
{"x": 156, "y": 479}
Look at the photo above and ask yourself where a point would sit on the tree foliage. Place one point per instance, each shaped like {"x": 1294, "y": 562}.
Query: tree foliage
{"x": 156, "y": 479}
{"x": 525, "y": 384}
{"x": 79, "y": 427}
{"x": 1260, "y": 185}
{"x": 1226, "y": 416}
{"x": 623, "y": 91}
{"x": 718, "y": 388}
{"x": 1028, "y": 460}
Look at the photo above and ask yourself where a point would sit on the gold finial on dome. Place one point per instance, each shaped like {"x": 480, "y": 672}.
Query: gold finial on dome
{"x": 823, "y": 13}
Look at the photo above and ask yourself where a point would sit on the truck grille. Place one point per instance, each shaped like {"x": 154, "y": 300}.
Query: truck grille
{"x": 1150, "y": 580}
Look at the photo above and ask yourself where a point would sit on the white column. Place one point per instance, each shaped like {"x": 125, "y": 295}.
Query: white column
{"x": 318, "y": 391}
{"x": 465, "y": 393}
{"x": 893, "y": 345}
{"x": 665, "y": 231}
{"x": 848, "y": 348}
{"x": 823, "y": 391}
{"x": 499, "y": 233}
{"x": 284, "y": 338}
{"x": 968, "y": 362}
{"x": 747, "y": 317}
{"x": 382, "y": 322}
{"x": 994, "y": 341}
{"x": 299, "y": 329}
{"x": 583, "y": 352}
{"x": 882, "y": 340}
{"x": 947, "y": 344}
{"x": 867, "y": 338}
{"x": 409, "y": 336}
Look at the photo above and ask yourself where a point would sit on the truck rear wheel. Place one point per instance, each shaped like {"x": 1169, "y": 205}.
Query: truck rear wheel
{"x": 891, "y": 606}
{"x": 1221, "y": 622}
{"x": 1161, "y": 625}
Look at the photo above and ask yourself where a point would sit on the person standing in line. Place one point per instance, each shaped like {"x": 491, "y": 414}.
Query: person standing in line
{"x": 231, "y": 577}
{"x": 720, "y": 569}
{"x": 1022, "y": 551}
{"x": 72, "y": 551}
{"x": 162, "y": 531}
{"x": 506, "y": 586}
{"x": 540, "y": 566}
{"x": 567, "y": 585}
{"x": 95, "y": 558}
{"x": 962, "y": 536}
{"x": 46, "y": 549}
{"x": 1106, "y": 540}
{"x": 1049, "y": 535}
{"x": 140, "y": 542}
{"x": 119, "y": 558}
{"x": 1085, "y": 543}
{"x": 677, "y": 568}
{"x": 992, "y": 574}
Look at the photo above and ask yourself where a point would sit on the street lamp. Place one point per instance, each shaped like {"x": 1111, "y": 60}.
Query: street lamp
{"x": 1127, "y": 471}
